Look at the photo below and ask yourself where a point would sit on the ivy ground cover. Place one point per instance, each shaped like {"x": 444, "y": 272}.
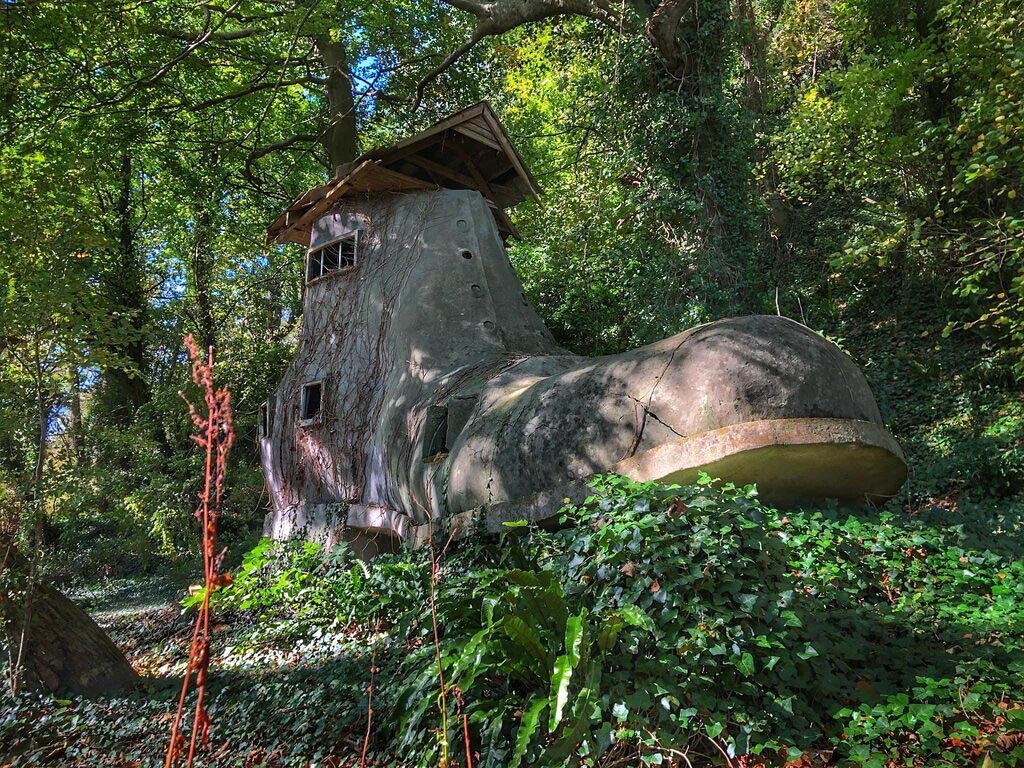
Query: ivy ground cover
{"x": 662, "y": 625}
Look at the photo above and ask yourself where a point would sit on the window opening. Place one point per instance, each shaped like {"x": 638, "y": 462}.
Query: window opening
{"x": 435, "y": 439}
{"x": 264, "y": 420}
{"x": 332, "y": 257}
{"x": 311, "y": 402}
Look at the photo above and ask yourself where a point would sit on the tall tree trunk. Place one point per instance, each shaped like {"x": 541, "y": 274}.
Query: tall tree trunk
{"x": 753, "y": 58}
{"x": 124, "y": 385}
{"x": 690, "y": 36}
{"x": 752, "y": 55}
{"x": 339, "y": 138}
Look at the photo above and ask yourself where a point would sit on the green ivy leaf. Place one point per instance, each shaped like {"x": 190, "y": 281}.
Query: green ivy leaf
{"x": 746, "y": 664}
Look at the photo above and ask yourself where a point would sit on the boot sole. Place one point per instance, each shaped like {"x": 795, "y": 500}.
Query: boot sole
{"x": 792, "y": 461}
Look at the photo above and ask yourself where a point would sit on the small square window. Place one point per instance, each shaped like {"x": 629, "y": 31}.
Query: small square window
{"x": 332, "y": 257}
{"x": 311, "y": 402}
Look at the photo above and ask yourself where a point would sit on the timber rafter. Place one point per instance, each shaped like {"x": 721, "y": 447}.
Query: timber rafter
{"x": 469, "y": 150}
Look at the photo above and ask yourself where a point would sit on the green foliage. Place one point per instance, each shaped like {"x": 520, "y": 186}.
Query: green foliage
{"x": 856, "y": 164}
{"x": 662, "y": 620}
{"x": 624, "y": 630}
{"x": 912, "y": 146}
{"x": 840, "y": 162}
{"x": 647, "y": 224}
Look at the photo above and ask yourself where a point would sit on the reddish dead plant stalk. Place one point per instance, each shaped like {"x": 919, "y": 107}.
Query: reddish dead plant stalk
{"x": 215, "y": 436}
{"x": 369, "y": 696}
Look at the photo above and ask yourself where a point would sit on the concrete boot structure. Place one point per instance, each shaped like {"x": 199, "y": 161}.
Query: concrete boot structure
{"x": 425, "y": 387}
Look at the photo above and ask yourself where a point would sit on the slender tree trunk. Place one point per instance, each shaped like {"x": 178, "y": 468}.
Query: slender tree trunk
{"x": 76, "y": 432}
{"x": 273, "y": 300}
{"x": 202, "y": 278}
{"x": 43, "y": 411}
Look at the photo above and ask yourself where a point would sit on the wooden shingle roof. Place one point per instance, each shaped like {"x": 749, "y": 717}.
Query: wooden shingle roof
{"x": 469, "y": 150}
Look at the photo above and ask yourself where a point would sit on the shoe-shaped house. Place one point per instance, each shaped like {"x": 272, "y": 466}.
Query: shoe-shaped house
{"x": 426, "y": 388}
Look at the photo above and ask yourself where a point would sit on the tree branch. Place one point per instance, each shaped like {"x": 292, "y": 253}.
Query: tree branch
{"x": 259, "y": 152}
{"x": 245, "y": 92}
{"x": 496, "y": 17}
{"x": 437, "y": 71}
{"x": 234, "y": 34}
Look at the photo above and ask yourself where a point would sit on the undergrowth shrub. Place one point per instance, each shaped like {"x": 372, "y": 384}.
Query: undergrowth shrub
{"x": 660, "y": 625}
{"x": 291, "y": 587}
{"x": 665, "y": 621}
{"x": 628, "y": 627}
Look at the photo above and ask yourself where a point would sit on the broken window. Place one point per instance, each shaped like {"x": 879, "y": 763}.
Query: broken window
{"x": 334, "y": 256}
{"x": 311, "y": 402}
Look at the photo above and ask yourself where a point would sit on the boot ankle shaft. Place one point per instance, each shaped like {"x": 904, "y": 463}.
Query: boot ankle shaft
{"x": 432, "y": 283}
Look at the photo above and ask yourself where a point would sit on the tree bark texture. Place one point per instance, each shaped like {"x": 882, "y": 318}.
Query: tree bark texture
{"x": 124, "y": 389}
{"x": 339, "y": 138}
{"x": 753, "y": 46}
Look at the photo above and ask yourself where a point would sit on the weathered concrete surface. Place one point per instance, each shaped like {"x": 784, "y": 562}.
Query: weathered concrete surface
{"x": 444, "y": 393}
{"x": 65, "y": 651}
{"x": 541, "y": 429}
{"x": 432, "y": 310}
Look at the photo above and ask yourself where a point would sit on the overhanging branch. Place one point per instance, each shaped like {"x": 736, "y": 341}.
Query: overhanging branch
{"x": 500, "y": 16}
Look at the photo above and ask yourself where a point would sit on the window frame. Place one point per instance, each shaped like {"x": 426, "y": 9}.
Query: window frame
{"x": 265, "y": 417}
{"x": 317, "y": 252}
{"x": 317, "y": 417}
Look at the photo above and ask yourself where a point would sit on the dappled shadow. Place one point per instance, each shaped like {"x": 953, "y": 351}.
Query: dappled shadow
{"x": 125, "y": 595}
{"x": 434, "y": 312}
{"x": 871, "y": 651}
{"x": 306, "y": 710}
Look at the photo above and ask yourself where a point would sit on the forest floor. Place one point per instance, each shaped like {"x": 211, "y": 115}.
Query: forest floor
{"x": 267, "y": 681}
{"x": 917, "y": 655}
{"x": 144, "y": 617}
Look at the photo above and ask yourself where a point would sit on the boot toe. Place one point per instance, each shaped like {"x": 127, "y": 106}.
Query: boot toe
{"x": 757, "y": 399}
